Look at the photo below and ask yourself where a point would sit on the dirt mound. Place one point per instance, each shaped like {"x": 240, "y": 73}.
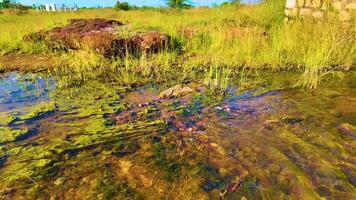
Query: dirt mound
{"x": 105, "y": 36}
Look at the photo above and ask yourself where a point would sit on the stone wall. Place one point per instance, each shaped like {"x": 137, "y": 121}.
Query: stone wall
{"x": 318, "y": 8}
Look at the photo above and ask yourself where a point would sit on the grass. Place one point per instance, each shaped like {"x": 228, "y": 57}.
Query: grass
{"x": 218, "y": 41}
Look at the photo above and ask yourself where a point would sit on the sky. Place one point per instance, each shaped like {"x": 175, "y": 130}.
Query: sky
{"x": 106, "y": 3}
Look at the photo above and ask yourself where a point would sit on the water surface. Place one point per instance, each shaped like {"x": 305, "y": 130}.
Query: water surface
{"x": 100, "y": 141}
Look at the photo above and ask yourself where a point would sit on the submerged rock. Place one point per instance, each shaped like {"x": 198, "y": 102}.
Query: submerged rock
{"x": 176, "y": 91}
{"x": 347, "y": 129}
{"x": 108, "y": 37}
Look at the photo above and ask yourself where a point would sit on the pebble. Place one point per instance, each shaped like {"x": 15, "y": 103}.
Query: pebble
{"x": 218, "y": 108}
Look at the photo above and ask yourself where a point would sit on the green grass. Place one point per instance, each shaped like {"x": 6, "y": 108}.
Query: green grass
{"x": 224, "y": 40}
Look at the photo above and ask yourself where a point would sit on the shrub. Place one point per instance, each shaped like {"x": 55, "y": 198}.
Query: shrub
{"x": 179, "y": 3}
{"x": 123, "y": 6}
{"x": 18, "y": 9}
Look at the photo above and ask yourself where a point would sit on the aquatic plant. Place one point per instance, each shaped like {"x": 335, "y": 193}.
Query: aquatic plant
{"x": 217, "y": 79}
{"x": 170, "y": 166}
{"x": 10, "y": 135}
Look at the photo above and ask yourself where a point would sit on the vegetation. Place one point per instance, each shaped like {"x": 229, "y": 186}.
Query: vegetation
{"x": 123, "y": 6}
{"x": 179, "y": 3}
{"x": 86, "y": 128}
{"x": 207, "y": 41}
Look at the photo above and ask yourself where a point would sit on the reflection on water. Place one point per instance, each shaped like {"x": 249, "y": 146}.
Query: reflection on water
{"x": 18, "y": 90}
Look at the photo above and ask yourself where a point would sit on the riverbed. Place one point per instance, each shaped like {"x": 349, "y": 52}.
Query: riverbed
{"x": 101, "y": 141}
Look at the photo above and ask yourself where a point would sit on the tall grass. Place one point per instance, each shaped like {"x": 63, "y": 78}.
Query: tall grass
{"x": 244, "y": 37}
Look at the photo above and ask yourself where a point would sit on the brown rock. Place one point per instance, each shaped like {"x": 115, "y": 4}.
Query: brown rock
{"x": 176, "y": 91}
{"x": 151, "y": 41}
{"x": 102, "y": 35}
{"x": 291, "y": 4}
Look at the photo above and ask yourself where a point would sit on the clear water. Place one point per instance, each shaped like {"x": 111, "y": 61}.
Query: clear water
{"x": 18, "y": 90}
{"x": 105, "y": 143}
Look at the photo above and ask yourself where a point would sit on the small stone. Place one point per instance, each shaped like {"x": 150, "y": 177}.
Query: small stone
{"x": 86, "y": 179}
{"x": 324, "y": 191}
{"x": 209, "y": 185}
{"x": 291, "y": 4}
{"x": 125, "y": 166}
{"x": 218, "y": 108}
{"x": 341, "y": 188}
{"x": 176, "y": 91}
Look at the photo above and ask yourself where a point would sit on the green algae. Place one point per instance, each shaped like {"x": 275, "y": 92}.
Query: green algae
{"x": 123, "y": 148}
{"x": 93, "y": 98}
{"x": 10, "y": 135}
{"x": 16, "y": 117}
{"x": 108, "y": 188}
{"x": 95, "y": 129}
{"x": 6, "y": 118}
{"x": 171, "y": 168}
{"x": 248, "y": 189}
{"x": 39, "y": 111}
{"x": 293, "y": 158}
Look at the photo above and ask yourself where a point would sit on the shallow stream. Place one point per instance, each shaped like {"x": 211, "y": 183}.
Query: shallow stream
{"x": 100, "y": 141}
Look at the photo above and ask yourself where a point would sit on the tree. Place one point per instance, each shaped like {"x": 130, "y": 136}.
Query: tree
{"x": 122, "y": 6}
{"x": 179, "y": 3}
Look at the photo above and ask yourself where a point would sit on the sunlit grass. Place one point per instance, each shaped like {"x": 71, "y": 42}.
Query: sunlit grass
{"x": 247, "y": 37}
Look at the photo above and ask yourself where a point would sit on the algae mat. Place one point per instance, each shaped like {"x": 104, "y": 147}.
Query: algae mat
{"x": 99, "y": 141}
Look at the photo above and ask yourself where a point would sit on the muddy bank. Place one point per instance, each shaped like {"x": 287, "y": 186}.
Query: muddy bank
{"x": 108, "y": 37}
{"x": 27, "y": 62}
